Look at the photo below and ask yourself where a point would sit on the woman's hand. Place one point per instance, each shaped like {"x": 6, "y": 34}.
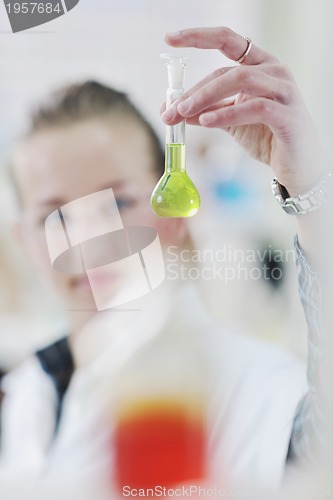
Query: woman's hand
{"x": 257, "y": 102}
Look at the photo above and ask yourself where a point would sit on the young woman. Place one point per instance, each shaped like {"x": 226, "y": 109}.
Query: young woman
{"x": 57, "y": 415}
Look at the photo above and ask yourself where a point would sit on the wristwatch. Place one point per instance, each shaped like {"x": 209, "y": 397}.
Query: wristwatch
{"x": 304, "y": 203}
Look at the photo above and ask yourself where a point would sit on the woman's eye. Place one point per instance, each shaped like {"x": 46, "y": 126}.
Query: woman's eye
{"x": 52, "y": 219}
{"x": 124, "y": 203}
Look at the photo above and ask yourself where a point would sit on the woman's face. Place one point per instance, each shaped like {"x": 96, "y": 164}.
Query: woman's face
{"x": 59, "y": 165}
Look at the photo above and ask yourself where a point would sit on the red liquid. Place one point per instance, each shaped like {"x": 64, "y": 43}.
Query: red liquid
{"x": 159, "y": 447}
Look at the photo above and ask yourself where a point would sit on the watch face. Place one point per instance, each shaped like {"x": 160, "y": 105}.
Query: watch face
{"x": 290, "y": 209}
{"x": 301, "y": 204}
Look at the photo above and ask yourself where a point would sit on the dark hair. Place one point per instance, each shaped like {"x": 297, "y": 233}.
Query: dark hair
{"x": 92, "y": 99}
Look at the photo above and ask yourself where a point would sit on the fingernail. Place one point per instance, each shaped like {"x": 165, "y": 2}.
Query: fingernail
{"x": 173, "y": 34}
{"x": 185, "y": 106}
{"x": 169, "y": 114}
{"x": 207, "y": 118}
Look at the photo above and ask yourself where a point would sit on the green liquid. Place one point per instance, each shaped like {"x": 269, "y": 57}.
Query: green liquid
{"x": 175, "y": 195}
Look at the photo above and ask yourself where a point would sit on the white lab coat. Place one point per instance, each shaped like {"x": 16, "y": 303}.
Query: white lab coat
{"x": 253, "y": 391}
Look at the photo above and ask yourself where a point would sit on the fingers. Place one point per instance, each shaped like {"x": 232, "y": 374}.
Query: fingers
{"x": 249, "y": 80}
{"x": 194, "y": 120}
{"x": 204, "y": 81}
{"x": 255, "y": 111}
{"x": 266, "y": 87}
{"x": 275, "y": 70}
{"x": 231, "y": 44}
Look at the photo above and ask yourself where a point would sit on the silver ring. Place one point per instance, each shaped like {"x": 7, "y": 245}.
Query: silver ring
{"x": 248, "y": 48}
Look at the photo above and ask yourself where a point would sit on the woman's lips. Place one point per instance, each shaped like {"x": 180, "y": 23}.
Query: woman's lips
{"x": 95, "y": 280}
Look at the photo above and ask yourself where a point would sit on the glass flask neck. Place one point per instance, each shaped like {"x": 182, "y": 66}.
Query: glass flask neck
{"x": 175, "y": 137}
{"x": 175, "y": 134}
{"x": 175, "y": 158}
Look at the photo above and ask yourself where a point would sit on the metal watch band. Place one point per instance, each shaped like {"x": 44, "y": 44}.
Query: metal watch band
{"x": 304, "y": 203}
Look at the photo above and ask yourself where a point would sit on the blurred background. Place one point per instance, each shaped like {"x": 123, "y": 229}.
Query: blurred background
{"x": 119, "y": 43}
